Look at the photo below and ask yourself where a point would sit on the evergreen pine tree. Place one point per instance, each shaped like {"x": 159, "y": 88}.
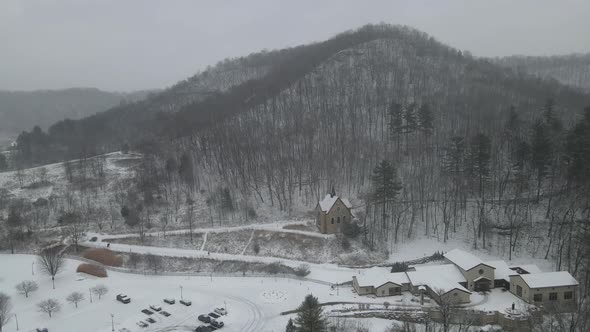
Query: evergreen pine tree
{"x": 395, "y": 120}
{"x": 425, "y": 118}
{"x": 453, "y": 158}
{"x": 311, "y": 316}
{"x": 185, "y": 170}
{"x": 290, "y": 326}
{"x": 386, "y": 186}
{"x": 551, "y": 120}
{"x": 226, "y": 200}
{"x": 410, "y": 117}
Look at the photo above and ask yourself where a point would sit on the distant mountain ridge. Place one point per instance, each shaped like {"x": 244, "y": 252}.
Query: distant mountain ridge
{"x": 21, "y": 110}
{"x": 360, "y": 73}
{"x": 572, "y": 69}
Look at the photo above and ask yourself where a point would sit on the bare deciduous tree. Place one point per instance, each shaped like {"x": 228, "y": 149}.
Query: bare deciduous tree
{"x": 75, "y": 298}
{"x": 100, "y": 290}
{"x": 26, "y": 287}
{"x": 134, "y": 260}
{"x": 154, "y": 262}
{"x": 5, "y": 310}
{"x": 51, "y": 262}
{"x": 49, "y": 306}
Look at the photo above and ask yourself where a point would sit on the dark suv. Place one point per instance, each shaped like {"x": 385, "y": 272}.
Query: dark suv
{"x": 204, "y": 328}
{"x": 123, "y": 298}
{"x": 205, "y": 318}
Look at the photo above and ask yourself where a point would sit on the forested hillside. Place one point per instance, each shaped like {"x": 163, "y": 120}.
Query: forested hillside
{"x": 573, "y": 70}
{"x": 423, "y": 139}
{"x": 21, "y": 110}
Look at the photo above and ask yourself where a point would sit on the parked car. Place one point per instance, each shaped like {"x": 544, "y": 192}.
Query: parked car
{"x": 165, "y": 313}
{"x": 42, "y": 330}
{"x": 155, "y": 307}
{"x": 214, "y": 315}
{"x": 185, "y": 302}
{"x": 221, "y": 311}
{"x": 204, "y": 328}
{"x": 170, "y": 301}
{"x": 147, "y": 312}
{"x": 216, "y": 323}
{"x": 205, "y": 319}
{"x": 142, "y": 324}
{"x": 93, "y": 239}
{"x": 124, "y": 330}
{"x": 123, "y": 298}
{"x": 150, "y": 320}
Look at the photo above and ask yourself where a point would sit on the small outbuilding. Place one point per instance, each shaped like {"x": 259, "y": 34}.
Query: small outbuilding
{"x": 332, "y": 212}
{"x": 380, "y": 282}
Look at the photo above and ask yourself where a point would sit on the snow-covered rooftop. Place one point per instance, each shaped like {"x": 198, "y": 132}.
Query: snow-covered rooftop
{"x": 438, "y": 277}
{"x": 502, "y": 271}
{"x": 329, "y": 201}
{"x": 549, "y": 279}
{"x": 463, "y": 259}
{"x": 377, "y": 276}
{"x": 530, "y": 268}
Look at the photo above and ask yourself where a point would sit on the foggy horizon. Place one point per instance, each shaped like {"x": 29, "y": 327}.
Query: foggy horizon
{"x": 132, "y": 46}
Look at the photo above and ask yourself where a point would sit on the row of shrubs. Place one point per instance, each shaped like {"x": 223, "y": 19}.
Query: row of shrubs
{"x": 93, "y": 270}
{"x": 109, "y": 258}
{"x": 403, "y": 266}
{"x": 103, "y": 256}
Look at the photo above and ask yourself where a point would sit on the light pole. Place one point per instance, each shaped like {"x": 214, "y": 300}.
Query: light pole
{"x": 33, "y": 268}
{"x": 181, "y": 292}
{"x": 90, "y": 292}
{"x": 16, "y": 319}
{"x": 113, "y": 322}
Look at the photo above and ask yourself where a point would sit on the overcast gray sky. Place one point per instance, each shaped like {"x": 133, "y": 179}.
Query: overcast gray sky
{"x": 142, "y": 44}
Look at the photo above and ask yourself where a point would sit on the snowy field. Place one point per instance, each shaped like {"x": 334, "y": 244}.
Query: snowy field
{"x": 254, "y": 304}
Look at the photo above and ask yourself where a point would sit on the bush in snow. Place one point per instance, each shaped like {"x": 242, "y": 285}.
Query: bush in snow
{"x": 345, "y": 243}
{"x": 133, "y": 260}
{"x": 256, "y": 248}
{"x": 302, "y": 270}
{"x": 351, "y": 229}
{"x": 93, "y": 270}
{"x": 438, "y": 256}
{"x": 103, "y": 256}
{"x": 273, "y": 268}
{"x": 399, "y": 267}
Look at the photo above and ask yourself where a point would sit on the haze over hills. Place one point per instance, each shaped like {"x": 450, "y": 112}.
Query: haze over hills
{"x": 572, "y": 69}
{"x": 393, "y": 140}
{"x": 402, "y": 65}
{"x": 283, "y": 127}
{"x": 21, "y": 110}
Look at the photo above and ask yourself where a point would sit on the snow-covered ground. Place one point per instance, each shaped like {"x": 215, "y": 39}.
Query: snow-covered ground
{"x": 254, "y": 304}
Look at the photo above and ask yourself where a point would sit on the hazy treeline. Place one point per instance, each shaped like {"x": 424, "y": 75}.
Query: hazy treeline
{"x": 573, "y": 70}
